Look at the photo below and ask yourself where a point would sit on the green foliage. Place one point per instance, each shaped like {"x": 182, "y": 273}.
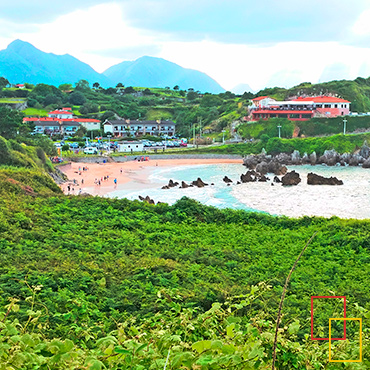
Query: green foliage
{"x": 10, "y": 122}
{"x": 121, "y": 284}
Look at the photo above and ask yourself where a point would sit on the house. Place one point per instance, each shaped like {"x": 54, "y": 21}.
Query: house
{"x": 63, "y": 122}
{"x": 89, "y": 123}
{"x": 20, "y": 86}
{"x": 136, "y": 128}
{"x": 300, "y": 109}
{"x": 130, "y": 146}
{"x": 61, "y": 113}
{"x": 45, "y": 125}
{"x": 262, "y": 101}
{"x": 69, "y": 126}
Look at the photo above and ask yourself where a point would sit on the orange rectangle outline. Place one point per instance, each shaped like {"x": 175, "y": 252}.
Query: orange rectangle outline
{"x": 345, "y": 319}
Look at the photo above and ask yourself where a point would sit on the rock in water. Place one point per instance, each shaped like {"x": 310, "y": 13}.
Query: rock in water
{"x": 276, "y": 179}
{"x": 248, "y": 177}
{"x": 291, "y": 178}
{"x": 366, "y": 163}
{"x": 314, "y": 179}
{"x": 172, "y": 184}
{"x": 227, "y": 180}
{"x": 184, "y": 185}
{"x": 262, "y": 168}
{"x": 199, "y": 183}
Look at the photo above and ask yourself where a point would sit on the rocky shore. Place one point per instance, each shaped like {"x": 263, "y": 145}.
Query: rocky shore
{"x": 264, "y": 163}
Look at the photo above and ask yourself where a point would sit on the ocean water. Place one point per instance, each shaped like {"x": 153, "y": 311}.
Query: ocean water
{"x": 351, "y": 200}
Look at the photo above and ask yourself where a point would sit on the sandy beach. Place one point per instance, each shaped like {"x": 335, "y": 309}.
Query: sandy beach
{"x": 87, "y": 181}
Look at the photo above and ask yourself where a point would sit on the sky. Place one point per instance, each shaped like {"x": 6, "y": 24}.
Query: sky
{"x": 263, "y": 43}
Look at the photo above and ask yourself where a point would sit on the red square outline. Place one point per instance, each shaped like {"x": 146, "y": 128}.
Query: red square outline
{"x": 344, "y": 316}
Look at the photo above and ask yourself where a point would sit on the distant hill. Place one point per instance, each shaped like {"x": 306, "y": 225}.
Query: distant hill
{"x": 242, "y": 88}
{"x": 156, "y": 72}
{"x": 22, "y": 62}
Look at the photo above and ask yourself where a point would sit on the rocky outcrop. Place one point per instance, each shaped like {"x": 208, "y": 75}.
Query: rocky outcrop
{"x": 199, "y": 183}
{"x": 366, "y": 163}
{"x": 227, "y": 180}
{"x": 171, "y": 184}
{"x": 262, "y": 168}
{"x": 365, "y": 150}
{"x": 276, "y": 179}
{"x": 291, "y": 178}
{"x": 330, "y": 157}
{"x": 184, "y": 185}
{"x": 296, "y": 158}
{"x": 147, "y": 199}
{"x": 314, "y": 179}
{"x": 250, "y": 176}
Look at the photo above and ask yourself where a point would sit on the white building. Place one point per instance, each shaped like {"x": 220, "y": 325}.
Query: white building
{"x": 130, "y": 146}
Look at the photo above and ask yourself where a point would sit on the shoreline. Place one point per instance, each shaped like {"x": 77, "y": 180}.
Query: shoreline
{"x": 84, "y": 177}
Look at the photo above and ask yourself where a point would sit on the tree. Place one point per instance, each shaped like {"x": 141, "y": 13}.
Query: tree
{"x": 176, "y": 87}
{"x": 65, "y": 87}
{"x": 81, "y": 131}
{"x": 82, "y": 85}
{"x": 10, "y": 122}
{"x": 3, "y": 82}
{"x": 129, "y": 90}
{"x": 107, "y": 115}
{"x": 210, "y": 101}
{"x": 77, "y": 98}
{"x": 192, "y": 95}
{"x": 29, "y": 86}
{"x": 120, "y": 85}
{"x": 96, "y": 85}
{"x": 51, "y": 99}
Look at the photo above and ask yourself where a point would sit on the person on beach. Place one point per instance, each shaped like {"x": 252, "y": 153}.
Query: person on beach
{"x": 82, "y": 181}
{"x": 69, "y": 188}
{"x": 115, "y": 181}
{"x": 120, "y": 171}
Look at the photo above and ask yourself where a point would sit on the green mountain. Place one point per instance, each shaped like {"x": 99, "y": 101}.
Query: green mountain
{"x": 21, "y": 62}
{"x": 157, "y": 72}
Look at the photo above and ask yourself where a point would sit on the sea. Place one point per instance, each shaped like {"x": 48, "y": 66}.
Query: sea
{"x": 350, "y": 200}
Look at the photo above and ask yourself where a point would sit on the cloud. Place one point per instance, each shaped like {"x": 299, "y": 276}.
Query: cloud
{"x": 100, "y": 31}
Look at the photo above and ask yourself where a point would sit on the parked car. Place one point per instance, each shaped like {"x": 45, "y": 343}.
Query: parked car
{"x": 183, "y": 144}
{"x": 176, "y": 144}
{"x": 73, "y": 145}
{"x": 90, "y": 150}
{"x": 57, "y": 145}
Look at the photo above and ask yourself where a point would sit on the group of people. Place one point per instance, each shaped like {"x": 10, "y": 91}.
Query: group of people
{"x": 104, "y": 178}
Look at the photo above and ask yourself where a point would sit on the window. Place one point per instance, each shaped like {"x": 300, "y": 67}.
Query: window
{"x": 306, "y": 116}
{"x": 283, "y": 115}
{"x": 327, "y": 105}
{"x": 318, "y": 105}
{"x": 294, "y": 115}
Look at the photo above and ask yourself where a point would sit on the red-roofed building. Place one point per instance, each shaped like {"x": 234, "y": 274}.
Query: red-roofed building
{"x": 61, "y": 113}
{"x": 301, "y": 109}
{"x": 261, "y": 101}
{"x": 61, "y": 122}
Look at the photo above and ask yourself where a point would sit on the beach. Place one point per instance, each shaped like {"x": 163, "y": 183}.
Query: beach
{"x": 85, "y": 177}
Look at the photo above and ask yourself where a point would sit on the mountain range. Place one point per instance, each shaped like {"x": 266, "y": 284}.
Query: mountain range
{"x": 22, "y": 62}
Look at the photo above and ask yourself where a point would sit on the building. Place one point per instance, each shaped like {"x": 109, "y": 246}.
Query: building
{"x": 62, "y": 121}
{"x": 299, "y": 109}
{"x": 130, "y": 146}
{"x": 136, "y": 128}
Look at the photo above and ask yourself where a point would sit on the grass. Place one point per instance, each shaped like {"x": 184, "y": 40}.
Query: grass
{"x": 35, "y": 112}
{"x": 11, "y": 100}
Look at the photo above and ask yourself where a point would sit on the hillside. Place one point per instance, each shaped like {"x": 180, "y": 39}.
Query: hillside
{"x": 21, "y": 62}
{"x": 156, "y": 72}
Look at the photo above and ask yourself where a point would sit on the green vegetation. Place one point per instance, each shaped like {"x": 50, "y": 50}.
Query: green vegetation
{"x": 313, "y": 127}
{"x": 99, "y": 282}
{"x": 95, "y": 283}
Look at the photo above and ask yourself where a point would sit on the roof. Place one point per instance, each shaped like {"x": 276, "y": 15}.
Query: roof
{"x": 60, "y": 112}
{"x": 261, "y": 98}
{"x": 322, "y": 99}
{"x": 39, "y": 119}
